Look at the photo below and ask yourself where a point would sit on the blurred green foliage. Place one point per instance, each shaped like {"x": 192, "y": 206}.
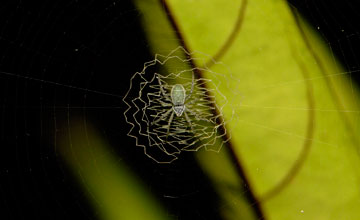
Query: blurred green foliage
{"x": 295, "y": 129}
{"x": 112, "y": 188}
{"x": 295, "y": 126}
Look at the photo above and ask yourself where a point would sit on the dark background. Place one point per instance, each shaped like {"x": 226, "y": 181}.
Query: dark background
{"x": 338, "y": 23}
{"x": 60, "y": 58}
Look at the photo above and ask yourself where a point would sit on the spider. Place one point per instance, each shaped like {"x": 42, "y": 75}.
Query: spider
{"x": 177, "y": 100}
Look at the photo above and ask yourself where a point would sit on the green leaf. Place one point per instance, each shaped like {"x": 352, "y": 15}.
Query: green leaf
{"x": 295, "y": 126}
{"x": 111, "y": 187}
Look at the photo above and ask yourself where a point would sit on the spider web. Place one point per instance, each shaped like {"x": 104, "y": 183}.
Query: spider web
{"x": 55, "y": 65}
{"x": 153, "y": 124}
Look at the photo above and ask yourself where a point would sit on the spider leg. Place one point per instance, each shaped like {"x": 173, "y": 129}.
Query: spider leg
{"x": 192, "y": 101}
{"x": 164, "y": 104}
{"x": 162, "y": 117}
{"x": 196, "y": 115}
{"x": 169, "y": 123}
{"x": 162, "y": 89}
{"x": 188, "y": 121}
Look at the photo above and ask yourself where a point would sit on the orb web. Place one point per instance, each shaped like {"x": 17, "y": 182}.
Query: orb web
{"x": 153, "y": 123}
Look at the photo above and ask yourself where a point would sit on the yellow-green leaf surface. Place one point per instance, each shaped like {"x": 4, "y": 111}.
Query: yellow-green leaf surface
{"x": 112, "y": 188}
{"x": 295, "y": 128}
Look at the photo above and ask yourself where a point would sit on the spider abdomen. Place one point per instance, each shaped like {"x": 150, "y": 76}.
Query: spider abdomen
{"x": 179, "y": 109}
{"x": 178, "y": 99}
